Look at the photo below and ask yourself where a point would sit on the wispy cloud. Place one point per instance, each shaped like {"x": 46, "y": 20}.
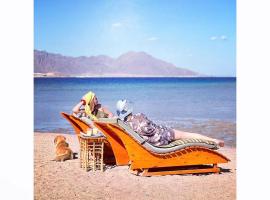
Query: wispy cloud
{"x": 222, "y": 37}
{"x": 152, "y": 38}
{"x": 117, "y": 24}
{"x": 213, "y": 38}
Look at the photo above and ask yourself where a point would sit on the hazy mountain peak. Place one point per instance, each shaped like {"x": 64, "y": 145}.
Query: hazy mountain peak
{"x": 134, "y": 53}
{"x": 131, "y": 63}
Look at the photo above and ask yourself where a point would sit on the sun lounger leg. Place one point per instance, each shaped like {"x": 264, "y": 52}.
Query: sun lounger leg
{"x": 214, "y": 169}
{"x": 215, "y": 166}
{"x": 145, "y": 173}
{"x": 135, "y": 172}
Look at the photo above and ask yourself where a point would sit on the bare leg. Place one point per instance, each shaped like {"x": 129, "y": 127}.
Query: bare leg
{"x": 182, "y": 134}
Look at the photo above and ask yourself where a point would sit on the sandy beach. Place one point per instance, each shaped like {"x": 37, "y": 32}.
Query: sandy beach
{"x": 66, "y": 180}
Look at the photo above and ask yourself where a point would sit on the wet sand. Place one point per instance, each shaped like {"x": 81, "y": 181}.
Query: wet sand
{"x": 212, "y": 128}
{"x": 66, "y": 180}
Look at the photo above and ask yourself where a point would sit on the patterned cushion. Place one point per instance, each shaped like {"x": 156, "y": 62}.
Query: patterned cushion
{"x": 190, "y": 141}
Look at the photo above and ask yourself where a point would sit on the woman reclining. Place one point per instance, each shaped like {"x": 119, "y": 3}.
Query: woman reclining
{"x": 153, "y": 133}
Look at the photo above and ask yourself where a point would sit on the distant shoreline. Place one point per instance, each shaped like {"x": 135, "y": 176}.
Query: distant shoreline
{"x": 134, "y": 76}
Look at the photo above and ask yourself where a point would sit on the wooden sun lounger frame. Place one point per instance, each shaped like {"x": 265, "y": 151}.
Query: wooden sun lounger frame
{"x": 82, "y": 127}
{"x": 190, "y": 160}
{"x": 127, "y": 150}
{"x": 115, "y": 143}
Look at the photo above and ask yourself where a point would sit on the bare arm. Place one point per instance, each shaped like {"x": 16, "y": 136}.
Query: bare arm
{"x": 76, "y": 108}
{"x": 105, "y": 110}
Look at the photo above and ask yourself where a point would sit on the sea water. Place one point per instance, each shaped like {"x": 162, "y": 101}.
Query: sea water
{"x": 169, "y": 101}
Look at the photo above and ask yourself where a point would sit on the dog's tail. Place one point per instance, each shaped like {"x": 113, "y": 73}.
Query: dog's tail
{"x": 55, "y": 159}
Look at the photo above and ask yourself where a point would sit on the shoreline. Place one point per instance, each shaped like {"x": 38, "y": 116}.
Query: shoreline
{"x": 133, "y": 76}
{"x": 224, "y": 130}
{"x": 66, "y": 180}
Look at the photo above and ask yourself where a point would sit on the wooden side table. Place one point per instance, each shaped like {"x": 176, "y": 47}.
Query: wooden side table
{"x": 91, "y": 153}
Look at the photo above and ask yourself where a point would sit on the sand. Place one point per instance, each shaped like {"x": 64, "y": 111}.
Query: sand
{"x": 66, "y": 180}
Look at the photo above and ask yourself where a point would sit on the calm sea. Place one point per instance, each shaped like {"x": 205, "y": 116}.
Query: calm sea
{"x": 168, "y": 101}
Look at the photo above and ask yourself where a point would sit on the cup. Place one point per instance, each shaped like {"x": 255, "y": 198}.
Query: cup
{"x": 89, "y": 132}
{"x": 94, "y": 131}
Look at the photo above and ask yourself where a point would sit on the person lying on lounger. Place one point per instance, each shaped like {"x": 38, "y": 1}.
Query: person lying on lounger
{"x": 153, "y": 133}
{"x": 90, "y": 107}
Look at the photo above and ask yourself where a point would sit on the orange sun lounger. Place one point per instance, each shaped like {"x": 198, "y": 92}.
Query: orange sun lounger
{"x": 113, "y": 146}
{"x": 185, "y": 156}
{"x": 80, "y": 126}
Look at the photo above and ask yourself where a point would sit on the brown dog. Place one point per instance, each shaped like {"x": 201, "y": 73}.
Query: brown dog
{"x": 63, "y": 152}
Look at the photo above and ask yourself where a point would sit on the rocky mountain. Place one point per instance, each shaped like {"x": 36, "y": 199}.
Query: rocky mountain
{"x": 128, "y": 64}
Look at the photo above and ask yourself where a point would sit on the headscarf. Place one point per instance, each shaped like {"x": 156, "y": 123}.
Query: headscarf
{"x": 88, "y": 98}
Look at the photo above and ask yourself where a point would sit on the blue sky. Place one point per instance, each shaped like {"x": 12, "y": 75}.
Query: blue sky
{"x": 196, "y": 34}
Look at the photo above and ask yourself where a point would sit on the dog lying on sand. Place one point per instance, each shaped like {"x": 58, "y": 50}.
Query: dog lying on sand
{"x": 63, "y": 152}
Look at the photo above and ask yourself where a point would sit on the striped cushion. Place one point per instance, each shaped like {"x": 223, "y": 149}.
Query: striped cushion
{"x": 190, "y": 141}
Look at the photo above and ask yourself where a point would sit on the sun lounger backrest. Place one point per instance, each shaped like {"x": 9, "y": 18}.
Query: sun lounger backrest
{"x": 76, "y": 127}
{"x": 148, "y": 146}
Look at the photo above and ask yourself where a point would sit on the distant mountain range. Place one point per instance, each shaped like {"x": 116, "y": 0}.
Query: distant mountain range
{"x": 128, "y": 64}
